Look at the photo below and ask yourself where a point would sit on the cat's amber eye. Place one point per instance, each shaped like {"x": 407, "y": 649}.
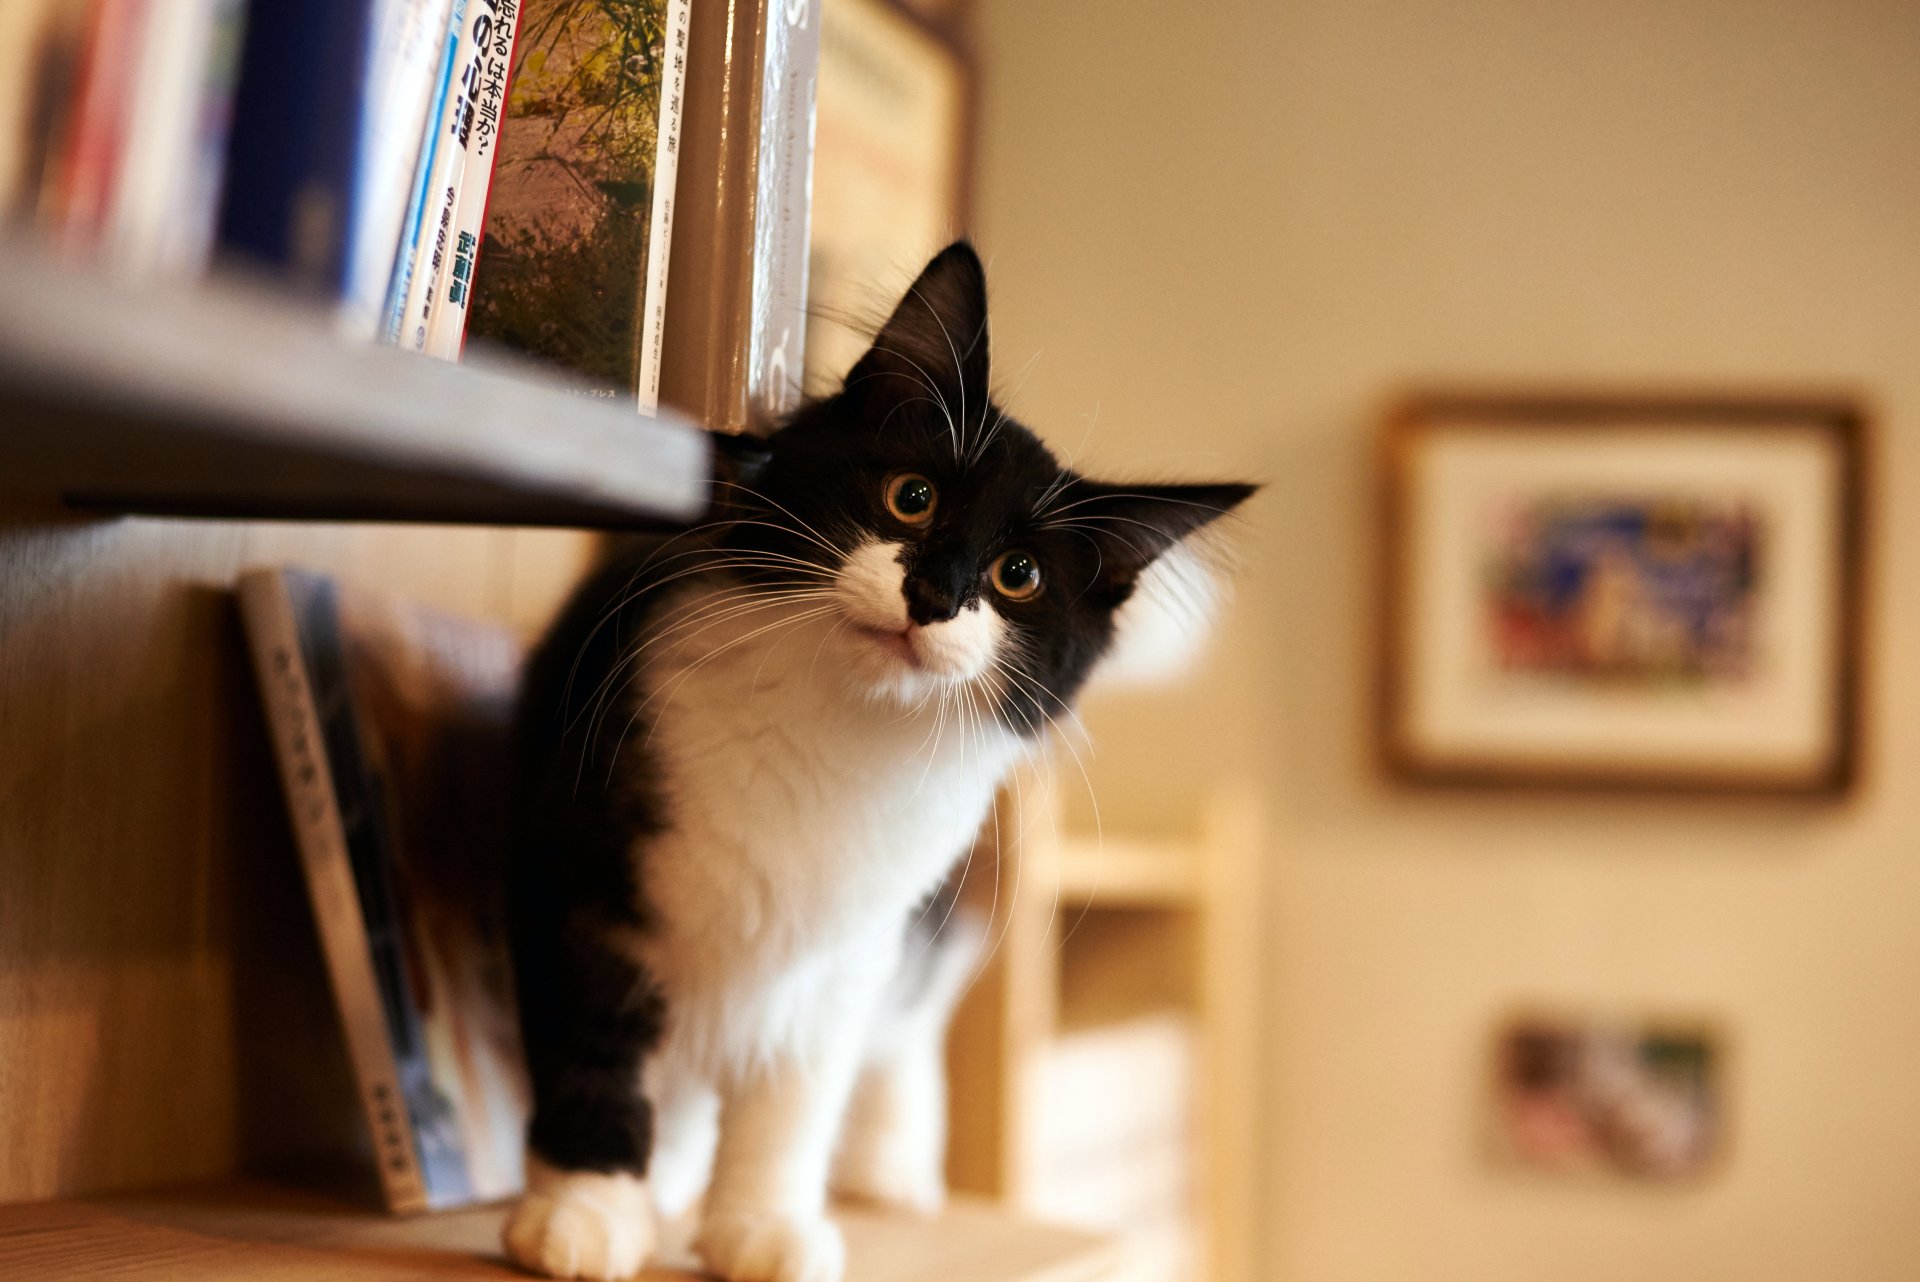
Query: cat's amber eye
{"x": 1016, "y": 576}
{"x": 910, "y": 498}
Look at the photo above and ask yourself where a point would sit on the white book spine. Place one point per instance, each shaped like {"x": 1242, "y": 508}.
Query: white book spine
{"x": 410, "y": 43}
{"x": 493, "y": 26}
{"x": 433, "y": 244}
{"x": 176, "y": 44}
{"x": 666, "y": 170}
{"x": 406, "y": 260}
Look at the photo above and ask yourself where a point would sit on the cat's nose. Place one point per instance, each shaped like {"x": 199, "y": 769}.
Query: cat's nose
{"x": 930, "y": 602}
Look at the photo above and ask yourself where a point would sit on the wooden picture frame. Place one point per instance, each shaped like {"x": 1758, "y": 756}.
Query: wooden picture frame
{"x": 893, "y": 156}
{"x": 1655, "y": 592}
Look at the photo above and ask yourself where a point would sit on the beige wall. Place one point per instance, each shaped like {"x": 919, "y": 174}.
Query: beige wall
{"x": 1229, "y": 230}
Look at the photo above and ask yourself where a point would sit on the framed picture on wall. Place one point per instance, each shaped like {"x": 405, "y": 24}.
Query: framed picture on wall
{"x": 890, "y": 168}
{"x": 1596, "y": 591}
{"x": 1643, "y": 1099}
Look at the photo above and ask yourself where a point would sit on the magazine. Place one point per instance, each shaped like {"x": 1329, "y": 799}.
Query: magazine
{"x": 391, "y": 726}
{"x": 577, "y": 236}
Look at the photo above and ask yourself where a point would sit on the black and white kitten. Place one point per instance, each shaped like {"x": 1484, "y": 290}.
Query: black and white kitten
{"x": 752, "y": 754}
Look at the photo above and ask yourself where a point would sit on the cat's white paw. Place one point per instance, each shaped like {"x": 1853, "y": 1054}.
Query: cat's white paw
{"x": 581, "y": 1225}
{"x": 769, "y": 1247}
{"x": 898, "y": 1166}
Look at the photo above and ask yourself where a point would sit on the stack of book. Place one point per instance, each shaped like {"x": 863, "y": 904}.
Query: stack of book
{"x": 438, "y": 169}
{"x": 1114, "y": 1140}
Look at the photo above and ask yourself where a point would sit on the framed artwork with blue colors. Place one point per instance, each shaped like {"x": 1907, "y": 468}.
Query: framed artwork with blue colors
{"x": 1622, "y": 591}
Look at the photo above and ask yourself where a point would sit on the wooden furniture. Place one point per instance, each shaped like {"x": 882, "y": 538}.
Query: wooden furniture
{"x": 1089, "y": 932}
{"x": 163, "y": 1009}
{"x": 231, "y": 401}
{"x": 259, "y": 1233}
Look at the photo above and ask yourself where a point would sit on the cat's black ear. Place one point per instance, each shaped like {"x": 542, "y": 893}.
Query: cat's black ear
{"x": 1134, "y": 524}
{"x": 934, "y": 345}
{"x": 738, "y": 458}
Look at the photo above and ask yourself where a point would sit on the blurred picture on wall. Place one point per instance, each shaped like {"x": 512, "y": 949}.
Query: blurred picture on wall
{"x": 1614, "y": 592}
{"x": 1573, "y": 1097}
{"x": 1641, "y": 591}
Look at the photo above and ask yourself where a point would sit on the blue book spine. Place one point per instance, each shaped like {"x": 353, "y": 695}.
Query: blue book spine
{"x": 293, "y": 158}
{"x": 394, "y": 315}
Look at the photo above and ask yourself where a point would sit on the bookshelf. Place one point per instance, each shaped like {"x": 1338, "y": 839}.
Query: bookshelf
{"x": 256, "y": 1232}
{"x": 229, "y": 400}
{"x": 1119, "y": 978}
{"x": 170, "y": 1031}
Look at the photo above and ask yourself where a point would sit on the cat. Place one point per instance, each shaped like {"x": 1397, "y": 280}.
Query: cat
{"x": 751, "y": 757}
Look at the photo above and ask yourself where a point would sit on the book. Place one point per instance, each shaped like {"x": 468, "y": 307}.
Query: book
{"x": 485, "y": 73}
{"x": 581, "y": 217}
{"x": 160, "y": 218}
{"x": 40, "y": 46}
{"x": 404, "y": 282}
{"x": 446, "y": 170}
{"x": 74, "y": 204}
{"x": 293, "y": 166}
{"x": 1114, "y": 1142}
{"x": 391, "y": 729}
{"x": 889, "y": 171}
{"x": 735, "y": 333}
{"x": 403, "y": 81}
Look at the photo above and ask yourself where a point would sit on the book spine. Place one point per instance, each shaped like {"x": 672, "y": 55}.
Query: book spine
{"x": 776, "y": 344}
{"x": 292, "y": 162}
{"x": 407, "y": 263}
{"x": 161, "y": 216}
{"x": 403, "y": 90}
{"x": 95, "y": 149}
{"x": 493, "y": 29}
{"x": 293, "y": 717}
{"x": 454, "y": 127}
{"x": 651, "y": 330}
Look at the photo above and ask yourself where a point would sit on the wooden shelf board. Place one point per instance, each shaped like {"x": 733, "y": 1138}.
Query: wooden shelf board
{"x": 256, "y": 1232}
{"x": 1128, "y": 874}
{"x": 230, "y": 400}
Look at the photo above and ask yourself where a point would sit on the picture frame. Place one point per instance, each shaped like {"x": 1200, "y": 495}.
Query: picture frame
{"x": 1603, "y": 591}
{"x": 893, "y": 157}
{"x": 1645, "y": 1098}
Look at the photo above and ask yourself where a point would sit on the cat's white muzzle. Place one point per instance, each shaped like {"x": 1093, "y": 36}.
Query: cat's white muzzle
{"x": 889, "y": 653}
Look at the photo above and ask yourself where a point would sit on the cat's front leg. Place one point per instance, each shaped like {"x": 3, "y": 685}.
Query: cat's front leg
{"x": 765, "y": 1215}
{"x": 590, "y": 1016}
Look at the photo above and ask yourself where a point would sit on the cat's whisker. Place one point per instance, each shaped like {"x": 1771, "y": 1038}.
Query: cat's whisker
{"x": 629, "y": 594}
{"x": 680, "y": 678}
{"x": 1000, "y": 420}
{"x": 708, "y": 616}
{"x": 959, "y": 377}
{"x": 927, "y": 381}
{"x": 789, "y": 513}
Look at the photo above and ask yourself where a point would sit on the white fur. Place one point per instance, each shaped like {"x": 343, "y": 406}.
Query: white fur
{"x": 580, "y": 1224}
{"x": 824, "y": 765}
{"x": 1158, "y": 632}
{"x": 893, "y": 1144}
{"x": 946, "y": 654}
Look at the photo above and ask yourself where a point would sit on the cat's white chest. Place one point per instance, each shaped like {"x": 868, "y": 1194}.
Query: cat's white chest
{"x": 804, "y": 820}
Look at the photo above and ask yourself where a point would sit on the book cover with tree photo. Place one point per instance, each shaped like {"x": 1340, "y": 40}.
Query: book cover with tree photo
{"x": 574, "y": 265}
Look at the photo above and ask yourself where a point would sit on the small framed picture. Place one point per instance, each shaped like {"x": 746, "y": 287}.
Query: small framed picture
{"x": 1647, "y": 592}
{"x": 1643, "y": 1100}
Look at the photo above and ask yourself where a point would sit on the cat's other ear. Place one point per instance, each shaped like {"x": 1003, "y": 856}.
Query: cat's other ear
{"x": 738, "y": 460}
{"x": 934, "y": 345}
{"x": 1132, "y": 525}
